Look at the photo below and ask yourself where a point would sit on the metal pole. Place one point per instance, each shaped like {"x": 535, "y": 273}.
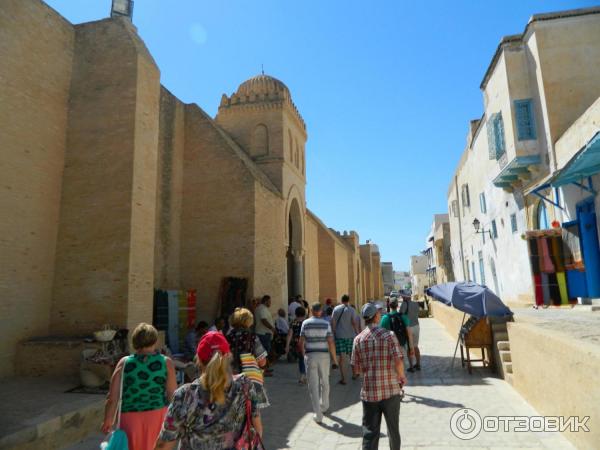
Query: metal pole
{"x": 458, "y": 340}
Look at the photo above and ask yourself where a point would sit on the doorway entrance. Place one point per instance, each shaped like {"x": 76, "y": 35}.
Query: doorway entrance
{"x": 295, "y": 254}
{"x": 590, "y": 247}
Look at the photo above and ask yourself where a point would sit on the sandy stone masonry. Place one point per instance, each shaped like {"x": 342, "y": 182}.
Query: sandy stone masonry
{"x": 113, "y": 187}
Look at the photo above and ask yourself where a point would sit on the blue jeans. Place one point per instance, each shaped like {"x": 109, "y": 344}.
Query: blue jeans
{"x": 301, "y": 365}
{"x": 266, "y": 340}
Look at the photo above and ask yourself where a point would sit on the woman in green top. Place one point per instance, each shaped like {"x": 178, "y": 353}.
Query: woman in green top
{"x": 148, "y": 386}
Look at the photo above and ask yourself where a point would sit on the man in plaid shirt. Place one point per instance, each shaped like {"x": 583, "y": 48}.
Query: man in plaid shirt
{"x": 378, "y": 356}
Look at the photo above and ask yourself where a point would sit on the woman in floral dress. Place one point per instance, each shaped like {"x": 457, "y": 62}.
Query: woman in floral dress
{"x": 210, "y": 413}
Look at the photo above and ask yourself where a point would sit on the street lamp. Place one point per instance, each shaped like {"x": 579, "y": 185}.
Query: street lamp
{"x": 477, "y": 225}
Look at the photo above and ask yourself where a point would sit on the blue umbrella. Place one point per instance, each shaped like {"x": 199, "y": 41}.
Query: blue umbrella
{"x": 470, "y": 298}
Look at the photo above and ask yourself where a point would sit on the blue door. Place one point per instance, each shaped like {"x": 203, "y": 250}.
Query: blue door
{"x": 590, "y": 247}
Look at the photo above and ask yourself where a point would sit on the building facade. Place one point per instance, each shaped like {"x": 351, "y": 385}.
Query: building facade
{"x": 402, "y": 281}
{"x": 540, "y": 109}
{"x": 387, "y": 274}
{"x": 437, "y": 250}
{"x": 117, "y": 188}
{"x": 419, "y": 276}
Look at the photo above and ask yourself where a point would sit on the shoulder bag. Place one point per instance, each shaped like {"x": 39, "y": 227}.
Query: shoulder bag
{"x": 249, "y": 439}
{"x": 117, "y": 439}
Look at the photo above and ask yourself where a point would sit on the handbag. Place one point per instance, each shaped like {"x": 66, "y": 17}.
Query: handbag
{"x": 117, "y": 439}
{"x": 249, "y": 439}
{"x": 249, "y": 367}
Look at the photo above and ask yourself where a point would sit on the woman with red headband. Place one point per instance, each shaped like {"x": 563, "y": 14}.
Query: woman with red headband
{"x": 210, "y": 413}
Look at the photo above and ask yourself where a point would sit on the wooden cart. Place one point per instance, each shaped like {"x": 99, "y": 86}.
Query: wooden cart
{"x": 476, "y": 333}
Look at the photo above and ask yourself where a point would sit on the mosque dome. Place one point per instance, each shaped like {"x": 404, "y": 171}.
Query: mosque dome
{"x": 263, "y": 85}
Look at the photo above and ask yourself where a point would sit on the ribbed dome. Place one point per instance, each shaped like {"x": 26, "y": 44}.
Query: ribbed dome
{"x": 262, "y": 85}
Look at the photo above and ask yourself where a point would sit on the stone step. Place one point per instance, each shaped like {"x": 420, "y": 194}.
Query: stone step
{"x": 498, "y": 327}
{"x": 501, "y": 336}
{"x": 503, "y": 345}
{"x": 507, "y": 366}
{"x": 45, "y": 416}
{"x": 508, "y": 377}
{"x": 505, "y": 356}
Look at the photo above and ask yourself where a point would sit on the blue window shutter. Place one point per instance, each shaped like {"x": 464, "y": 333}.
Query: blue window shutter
{"x": 491, "y": 137}
{"x": 494, "y": 229}
{"x": 499, "y": 135}
{"x": 482, "y": 205}
{"x": 513, "y": 223}
{"x": 524, "y": 119}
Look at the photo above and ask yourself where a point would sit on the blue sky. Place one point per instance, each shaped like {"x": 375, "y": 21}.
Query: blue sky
{"x": 386, "y": 88}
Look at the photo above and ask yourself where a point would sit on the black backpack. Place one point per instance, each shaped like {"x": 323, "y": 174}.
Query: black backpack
{"x": 399, "y": 329}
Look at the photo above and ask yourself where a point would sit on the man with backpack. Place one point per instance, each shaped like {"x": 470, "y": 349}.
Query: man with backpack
{"x": 399, "y": 325}
{"x": 410, "y": 309}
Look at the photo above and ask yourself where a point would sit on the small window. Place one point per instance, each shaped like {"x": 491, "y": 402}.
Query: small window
{"x": 513, "y": 223}
{"x": 482, "y": 204}
{"x": 473, "y": 272}
{"x": 466, "y": 199}
{"x": 494, "y": 229}
{"x": 524, "y": 119}
{"x": 454, "y": 208}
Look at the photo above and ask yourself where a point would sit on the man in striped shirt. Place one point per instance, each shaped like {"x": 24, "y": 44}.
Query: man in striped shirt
{"x": 316, "y": 344}
{"x": 378, "y": 356}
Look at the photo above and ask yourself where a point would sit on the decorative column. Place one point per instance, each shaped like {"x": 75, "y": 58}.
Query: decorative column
{"x": 298, "y": 256}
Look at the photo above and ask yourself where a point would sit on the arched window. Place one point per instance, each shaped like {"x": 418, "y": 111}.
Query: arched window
{"x": 302, "y": 162}
{"x": 291, "y": 146}
{"x": 260, "y": 141}
{"x": 542, "y": 216}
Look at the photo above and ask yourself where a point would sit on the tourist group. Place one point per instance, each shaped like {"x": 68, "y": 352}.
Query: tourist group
{"x": 219, "y": 407}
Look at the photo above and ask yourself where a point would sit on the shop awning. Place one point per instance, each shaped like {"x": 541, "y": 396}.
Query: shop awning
{"x": 516, "y": 169}
{"x": 584, "y": 164}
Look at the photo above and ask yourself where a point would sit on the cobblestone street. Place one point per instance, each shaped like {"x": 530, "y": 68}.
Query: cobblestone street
{"x": 432, "y": 396}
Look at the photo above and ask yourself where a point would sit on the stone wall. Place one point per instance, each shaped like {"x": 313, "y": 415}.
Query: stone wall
{"x": 171, "y": 143}
{"x": 105, "y": 250}
{"x": 556, "y": 374}
{"x": 311, "y": 260}
{"x": 327, "y": 268}
{"x": 270, "y": 275}
{"x": 33, "y": 113}
{"x": 215, "y": 178}
{"x": 341, "y": 269}
{"x": 367, "y": 264}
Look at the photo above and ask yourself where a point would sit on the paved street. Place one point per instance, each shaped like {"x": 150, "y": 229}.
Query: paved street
{"x": 432, "y": 396}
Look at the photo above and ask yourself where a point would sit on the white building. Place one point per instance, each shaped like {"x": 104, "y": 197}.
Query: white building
{"x": 535, "y": 90}
{"x": 418, "y": 275}
{"x": 402, "y": 281}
